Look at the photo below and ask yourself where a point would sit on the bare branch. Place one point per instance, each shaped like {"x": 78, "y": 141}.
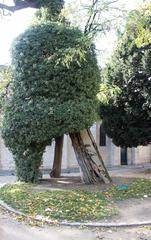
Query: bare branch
{"x": 91, "y": 17}
{"x": 92, "y": 21}
{"x": 98, "y": 10}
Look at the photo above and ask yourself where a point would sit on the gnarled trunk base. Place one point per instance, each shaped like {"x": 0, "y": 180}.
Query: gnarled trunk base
{"x": 89, "y": 158}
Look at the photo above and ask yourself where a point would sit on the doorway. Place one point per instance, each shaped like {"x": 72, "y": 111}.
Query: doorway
{"x": 124, "y": 156}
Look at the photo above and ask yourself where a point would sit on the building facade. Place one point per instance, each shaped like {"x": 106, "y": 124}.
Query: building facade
{"x": 112, "y": 155}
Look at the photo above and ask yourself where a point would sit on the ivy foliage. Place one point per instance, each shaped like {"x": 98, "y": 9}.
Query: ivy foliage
{"x": 127, "y": 115}
{"x": 50, "y": 96}
{"x": 49, "y": 10}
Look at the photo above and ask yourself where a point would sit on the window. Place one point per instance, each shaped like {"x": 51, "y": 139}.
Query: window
{"x": 102, "y": 137}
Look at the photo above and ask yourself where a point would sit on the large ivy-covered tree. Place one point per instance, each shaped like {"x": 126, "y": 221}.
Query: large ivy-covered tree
{"x": 127, "y": 114}
{"x": 55, "y": 82}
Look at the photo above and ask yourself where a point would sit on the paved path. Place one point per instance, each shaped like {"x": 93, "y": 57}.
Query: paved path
{"x": 13, "y": 230}
{"x": 7, "y": 179}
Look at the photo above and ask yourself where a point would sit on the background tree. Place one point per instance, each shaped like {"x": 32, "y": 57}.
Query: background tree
{"x": 53, "y": 93}
{"x": 5, "y": 86}
{"x": 127, "y": 114}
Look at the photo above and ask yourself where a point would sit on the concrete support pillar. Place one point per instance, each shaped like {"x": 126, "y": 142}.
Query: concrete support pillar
{"x": 114, "y": 155}
{"x": 129, "y": 156}
{"x": 98, "y": 133}
{"x": 133, "y": 160}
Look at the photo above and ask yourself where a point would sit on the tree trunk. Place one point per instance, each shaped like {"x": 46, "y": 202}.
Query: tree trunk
{"x": 89, "y": 159}
{"x": 56, "y": 169}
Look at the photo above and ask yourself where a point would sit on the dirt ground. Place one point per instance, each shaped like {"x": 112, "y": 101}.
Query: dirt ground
{"x": 139, "y": 233}
{"x": 11, "y": 229}
{"x": 74, "y": 182}
{"x": 130, "y": 211}
{"x": 121, "y": 175}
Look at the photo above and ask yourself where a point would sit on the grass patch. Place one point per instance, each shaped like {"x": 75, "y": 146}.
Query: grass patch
{"x": 72, "y": 205}
{"x": 138, "y": 189}
{"x": 57, "y": 204}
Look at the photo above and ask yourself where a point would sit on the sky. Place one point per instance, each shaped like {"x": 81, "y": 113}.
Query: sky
{"x": 12, "y": 26}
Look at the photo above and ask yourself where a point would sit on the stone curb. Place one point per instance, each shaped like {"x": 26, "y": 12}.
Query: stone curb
{"x": 75, "y": 224}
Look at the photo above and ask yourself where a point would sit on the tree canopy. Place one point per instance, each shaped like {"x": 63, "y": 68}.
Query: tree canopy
{"x": 51, "y": 95}
{"x": 55, "y": 82}
{"x": 126, "y": 115}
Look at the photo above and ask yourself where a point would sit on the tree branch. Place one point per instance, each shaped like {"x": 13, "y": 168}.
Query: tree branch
{"x": 19, "y": 5}
{"x": 96, "y": 10}
{"x": 89, "y": 21}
